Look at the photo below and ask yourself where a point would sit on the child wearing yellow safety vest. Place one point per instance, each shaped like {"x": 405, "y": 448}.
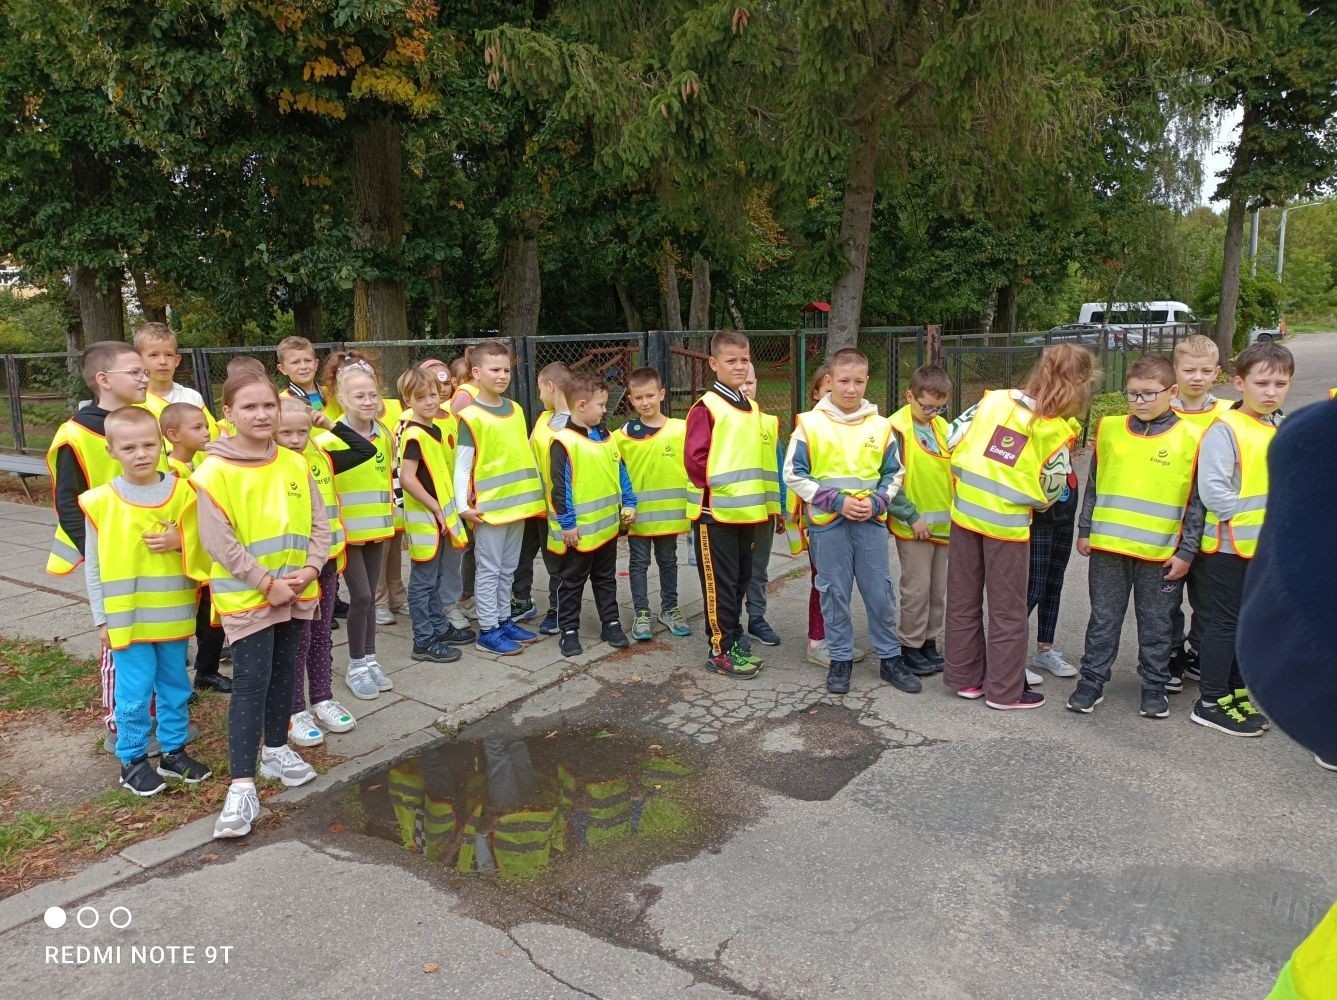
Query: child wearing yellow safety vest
{"x": 142, "y": 599}
{"x": 1140, "y": 534}
{"x": 78, "y": 460}
{"x": 591, "y": 498}
{"x": 265, "y": 538}
{"x": 921, "y": 546}
{"x": 436, "y": 534}
{"x": 1010, "y": 457}
{"x": 313, "y": 671}
{"x": 651, "y": 446}
{"x": 1232, "y": 486}
{"x": 763, "y": 534}
{"x": 842, "y": 460}
{"x": 552, "y": 382}
{"x": 157, "y": 345}
{"x": 497, "y": 487}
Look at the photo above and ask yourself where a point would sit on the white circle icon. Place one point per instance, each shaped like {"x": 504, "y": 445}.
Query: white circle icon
{"x": 111, "y": 917}
{"x": 54, "y": 917}
{"x": 87, "y": 912}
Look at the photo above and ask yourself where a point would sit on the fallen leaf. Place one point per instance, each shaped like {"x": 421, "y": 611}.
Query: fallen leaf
{"x": 1059, "y": 910}
{"x": 430, "y": 967}
{"x": 372, "y": 788}
{"x": 206, "y": 858}
{"x": 655, "y": 746}
{"x": 504, "y": 953}
{"x": 338, "y": 828}
{"x": 551, "y": 736}
{"x": 636, "y": 678}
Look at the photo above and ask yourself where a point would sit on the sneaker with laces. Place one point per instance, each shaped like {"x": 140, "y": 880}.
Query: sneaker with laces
{"x": 569, "y": 643}
{"x": 1085, "y": 698}
{"x": 303, "y": 731}
{"x": 1192, "y": 668}
{"x": 453, "y": 636}
{"x": 360, "y": 682}
{"x": 1247, "y": 709}
{"x": 818, "y": 653}
{"x": 931, "y": 653}
{"x": 1033, "y": 679}
{"x": 240, "y": 810}
{"x": 1176, "y": 668}
{"x": 728, "y": 666}
{"x": 333, "y": 717}
{"x": 494, "y": 641}
{"x": 673, "y": 620}
{"x": 742, "y": 654}
{"x": 1155, "y": 705}
{"x": 183, "y": 767}
{"x": 1224, "y": 717}
{"x": 549, "y": 624}
{"x": 383, "y": 682}
{"x": 838, "y": 676}
{"x": 456, "y": 617}
{"x": 515, "y": 633}
{"x": 612, "y": 634}
{"x": 761, "y": 630}
{"x": 894, "y": 671}
{"x": 283, "y": 764}
{"x": 1028, "y": 699}
{"x": 523, "y": 611}
{"x": 919, "y": 664}
{"x": 1053, "y": 661}
{"x": 744, "y": 643}
{"x": 437, "y": 652}
{"x": 139, "y": 777}
{"x": 384, "y": 616}
{"x": 641, "y": 629}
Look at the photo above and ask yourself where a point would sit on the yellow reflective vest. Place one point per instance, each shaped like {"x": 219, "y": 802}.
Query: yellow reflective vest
{"x": 365, "y": 492}
{"x": 420, "y": 523}
{"x": 506, "y": 482}
{"x": 1252, "y": 439}
{"x": 321, "y": 467}
{"x": 269, "y": 508}
{"x": 609, "y": 815}
{"x": 155, "y": 404}
{"x": 659, "y": 478}
{"x": 928, "y": 476}
{"x": 770, "y": 460}
{"x": 540, "y": 445}
{"x": 844, "y": 456}
{"x": 146, "y": 596}
{"x": 1142, "y": 487}
{"x": 1204, "y": 418}
{"x": 1311, "y": 973}
{"x": 522, "y": 841}
{"x": 90, "y": 451}
{"x": 997, "y": 464}
{"x": 736, "y": 464}
{"x": 596, "y": 489}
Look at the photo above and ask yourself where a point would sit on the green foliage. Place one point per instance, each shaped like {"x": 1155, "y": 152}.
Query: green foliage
{"x": 1259, "y": 301}
{"x": 32, "y": 323}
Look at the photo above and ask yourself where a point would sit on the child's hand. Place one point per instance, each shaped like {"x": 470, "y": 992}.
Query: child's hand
{"x": 628, "y": 515}
{"x": 105, "y": 635}
{"x": 300, "y": 579}
{"x": 1083, "y": 546}
{"x": 922, "y": 531}
{"x": 472, "y": 516}
{"x": 779, "y": 523}
{"x": 280, "y": 593}
{"x": 167, "y": 540}
{"x": 440, "y": 520}
{"x": 1177, "y": 568}
{"x": 571, "y": 536}
{"x": 857, "y": 509}
{"x": 318, "y": 419}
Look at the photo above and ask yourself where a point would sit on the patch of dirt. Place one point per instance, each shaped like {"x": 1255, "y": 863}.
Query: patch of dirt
{"x": 11, "y": 489}
{"x": 53, "y": 762}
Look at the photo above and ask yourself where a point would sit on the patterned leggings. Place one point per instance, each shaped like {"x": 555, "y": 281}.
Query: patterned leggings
{"x": 315, "y": 655}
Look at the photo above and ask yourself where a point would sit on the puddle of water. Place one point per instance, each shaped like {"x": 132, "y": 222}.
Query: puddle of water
{"x": 518, "y": 807}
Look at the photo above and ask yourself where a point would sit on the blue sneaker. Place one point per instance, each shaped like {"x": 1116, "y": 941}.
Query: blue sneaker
{"x": 515, "y": 633}
{"x": 494, "y": 640}
{"x": 523, "y": 611}
{"x": 549, "y": 624}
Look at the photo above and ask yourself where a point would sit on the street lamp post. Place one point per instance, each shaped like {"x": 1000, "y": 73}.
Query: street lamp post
{"x": 1281, "y": 234}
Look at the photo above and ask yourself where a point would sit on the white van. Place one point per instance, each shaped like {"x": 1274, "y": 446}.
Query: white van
{"x": 1160, "y": 313}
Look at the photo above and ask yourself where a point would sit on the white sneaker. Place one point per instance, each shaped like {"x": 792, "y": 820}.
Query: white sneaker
{"x": 333, "y": 716}
{"x": 283, "y": 764}
{"x": 1053, "y": 661}
{"x": 384, "y": 617}
{"x": 1032, "y": 678}
{"x": 303, "y": 731}
{"x": 361, "y": 683}
{"x": 456, "y": 617}
{"x": 383, "y": 683}
{"x": 818, "y": 654}
{"x": 240, "y": 810}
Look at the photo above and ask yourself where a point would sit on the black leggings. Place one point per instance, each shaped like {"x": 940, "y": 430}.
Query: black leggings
{"x": 362, "y": 574}
{"x": 262, "y": 680}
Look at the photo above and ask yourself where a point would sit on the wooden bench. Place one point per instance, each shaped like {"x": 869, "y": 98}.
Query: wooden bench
{"x": 23, "y": 466}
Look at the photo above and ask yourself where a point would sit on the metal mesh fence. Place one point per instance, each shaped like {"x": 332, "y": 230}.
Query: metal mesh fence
{"x": 611, "y": 356}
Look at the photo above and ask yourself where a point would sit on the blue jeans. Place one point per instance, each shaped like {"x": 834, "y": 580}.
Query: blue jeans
{"x": 434, "y": 585}
{"x": 665, "y": 549}
{"x": 846, "y": 553}
{"x": 143, "y": 670}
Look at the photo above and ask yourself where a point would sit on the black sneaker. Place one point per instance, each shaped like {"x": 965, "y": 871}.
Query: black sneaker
{"x": 1192, "y": 669}
{"x": 437, "y": 652}
{"x": 1224, "y": 717}
{"x": 334, "y": 625}
{"x": 213, "y": 682}
{"x": 731, "y": 666}
{"x": 1325, "y": 763}
{"x": 340, "y": 608}
{"x": 931, "y": 654}
{"x": 183, "y": 767}
{"x": 1154, "y": 705}
{"x": 1085, "y": 698}
{"x": 897, "y": 674}
{"x": 226, "y": 652}
{"x": 453, "y": 636}
{"x": 919, "y": 664}
{"x": 569, "y": 644}
{"x": 139, "y": 778}
{"x": 761, "y": 630}
{"x": 612, "y": 634}
{"x": 522, "y": 611}
{"x": 1246, "y": 708}
{"x": 744, "y": 643}
{"x": 549, "y": 624}
{"x": 838, "y": 676}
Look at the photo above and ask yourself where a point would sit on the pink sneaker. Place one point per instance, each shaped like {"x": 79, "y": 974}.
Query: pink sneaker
{"x": 1029, "y": 699}
{"x": 971, "y": 693}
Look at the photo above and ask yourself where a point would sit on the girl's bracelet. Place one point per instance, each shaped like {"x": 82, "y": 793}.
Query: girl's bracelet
{"x": 269, "y": 585}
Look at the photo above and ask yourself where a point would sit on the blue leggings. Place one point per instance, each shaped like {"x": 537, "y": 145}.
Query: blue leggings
{"x": 145, "y": 669}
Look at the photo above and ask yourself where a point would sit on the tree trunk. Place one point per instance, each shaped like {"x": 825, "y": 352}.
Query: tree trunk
{"x": 1005, "y": 321}
{"x": 735, "y": 313}
{"x": 153, "y": 310}
{"x": 521, "y": 291}
{"x": 1234, "y": 246}
{"x": 698, "y": 312}
{"x": 670, "y": 303}
{"x": 440, "y": 306}
{"x": 987, "y": 313}
{"x": 306, "y": 317}
{"x": 101, "y": 309}
{"x": 629, "y": 309}
{"x": 856, "y": 223}
{"x": 379, "y": 308}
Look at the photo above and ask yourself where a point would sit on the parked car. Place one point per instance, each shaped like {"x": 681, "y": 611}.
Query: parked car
{"x": 1263, "y": 333}
{"x": 1088, "y": 335}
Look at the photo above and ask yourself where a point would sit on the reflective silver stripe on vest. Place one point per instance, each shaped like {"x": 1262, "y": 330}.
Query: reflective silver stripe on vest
{"x": 146, "y": 585}
{"x": 1246, "y": 532}
{"x": 650, "y": 516}
{"x": 279, "y": 543}
{"x": 364, "y": 496}
{"x": 848, "y": 483}
{"x": 331, "y": 510}
{"x": 1131, "y": 534}
{"x": 991, "y": 516}
{"x": 736, "y": 476}
{"x": 504, "y": 479}
{"x": 1136, "y": 505}
{"x": 993, "y": 488}
{"x": 750, "y": 500}
{"x": 506, "y": 503}
{"x": 650, "y": 496}
{"x": 1247, "y": 504}
{"x": 589, "y": 506}
{"x": 152, "y": 616}
{"x": 594, "y": 527}
{"x": 352, "y": 524}
{"x": 65, "y": 551}
{"x": 936, "y": 516}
